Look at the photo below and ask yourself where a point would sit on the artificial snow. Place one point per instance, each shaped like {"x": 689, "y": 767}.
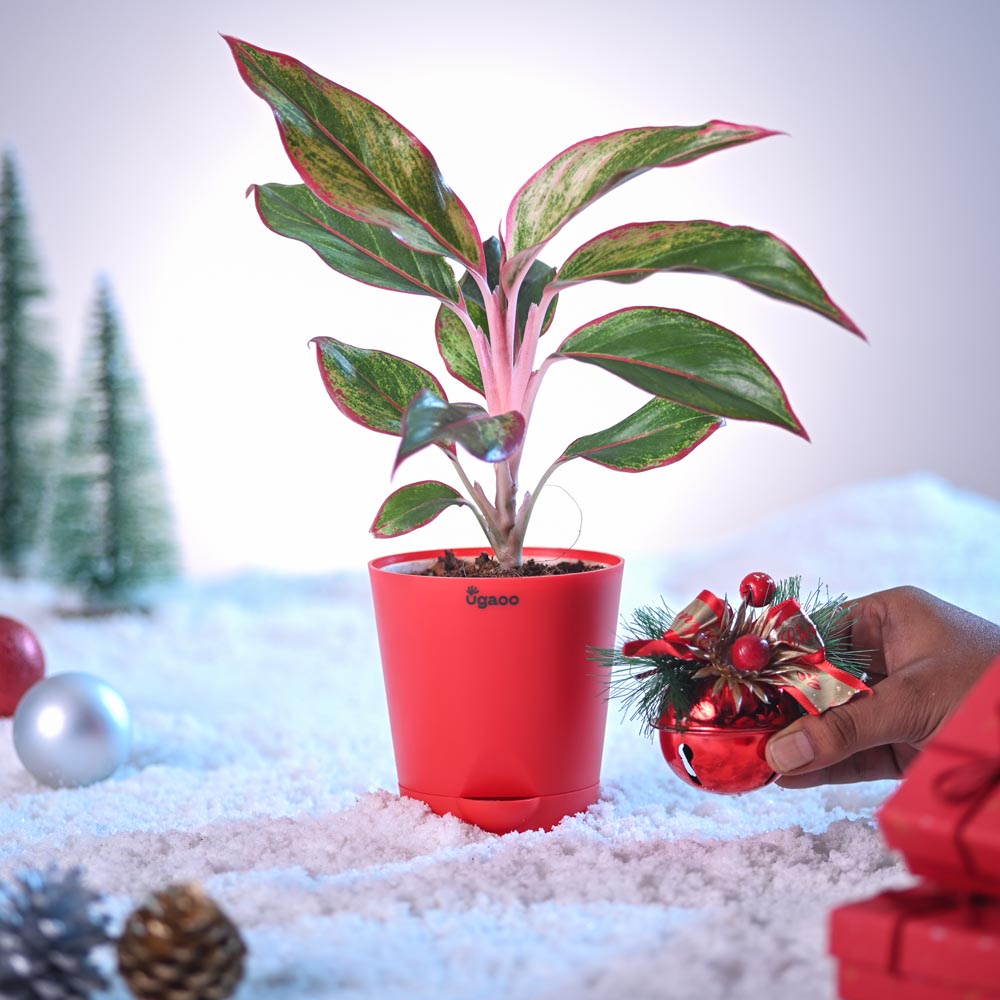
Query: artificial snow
{"x": 262, "y": 768}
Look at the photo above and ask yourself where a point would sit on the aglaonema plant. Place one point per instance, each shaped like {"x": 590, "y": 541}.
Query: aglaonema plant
{"x": 374, "y": 206}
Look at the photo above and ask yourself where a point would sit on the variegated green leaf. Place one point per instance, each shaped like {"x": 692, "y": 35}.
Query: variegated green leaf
{"x": 456, "y": 349}
{"x": 657, "y": 434}
{"x": 368, "y": 253}
{"x": 430, "y": 420}
{"x": 588, "y": 169}
{"x": 358, "y": 158}
{"x": 751, "y": 256}
{"x": 371, "y": 387}
{"x": 685, "y": 358}
{"x": 413, "y": 506}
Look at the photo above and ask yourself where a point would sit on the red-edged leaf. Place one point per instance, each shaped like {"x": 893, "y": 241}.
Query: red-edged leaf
{"x": 586, "y": 170}
{"x": 657, "y": 434}
{"x": 456, "y": 349}
{"x": 685, "y": 358}
{"x": 753, "y": 257}
{"x": 430, "y": 420}
{"x": 413, "y": 506}
{"x": 357, "y": 158}
{"x": 371, "y": 387}
{"x": 368, "y": 253}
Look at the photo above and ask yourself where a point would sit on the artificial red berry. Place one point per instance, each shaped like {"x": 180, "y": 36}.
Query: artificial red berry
{"x": 750, "y": 652}
{"x": 757, "y": 589}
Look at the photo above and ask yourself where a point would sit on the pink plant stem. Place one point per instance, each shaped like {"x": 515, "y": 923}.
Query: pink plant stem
{"x": 512, "y": 294}
{"x": 484, "y": 511}
{"x": 482, "y": 348}
{"x": 497, "y": 346}
{"x": 529, "y": 347}
{"x": 534, "y": 382}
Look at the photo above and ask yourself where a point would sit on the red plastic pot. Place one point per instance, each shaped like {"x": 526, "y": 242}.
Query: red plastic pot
{"x": 497, "y": 710}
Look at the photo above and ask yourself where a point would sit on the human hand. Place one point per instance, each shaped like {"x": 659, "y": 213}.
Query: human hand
{"x": 926, "y": 655}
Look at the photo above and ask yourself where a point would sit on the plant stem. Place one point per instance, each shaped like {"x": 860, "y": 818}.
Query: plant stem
{"x": 484, "y": 512}
{"x": 534, "y": 381}
{"x": 524, "y": 515}
{"x": 498, "y": 349}
{"x": 529, "y": 346}
{"x": 512, "y": 295}
{"x": 482, "y": 348}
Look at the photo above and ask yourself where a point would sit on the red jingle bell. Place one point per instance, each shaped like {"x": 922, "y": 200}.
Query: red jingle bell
{"x": 719, "y": 748}
{"x": 22, "y": 662}
{"x": 758, "y": 589}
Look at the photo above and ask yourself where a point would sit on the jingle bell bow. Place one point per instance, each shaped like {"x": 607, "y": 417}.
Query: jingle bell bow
{"x": 797, "y": 662}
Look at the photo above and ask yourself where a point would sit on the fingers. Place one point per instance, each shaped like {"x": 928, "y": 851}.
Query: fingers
{"x": 869, "y": 622}
{"x": 875, "y": 764}
{"x": 926, "y": 655}
{"x": 897, "y": 711}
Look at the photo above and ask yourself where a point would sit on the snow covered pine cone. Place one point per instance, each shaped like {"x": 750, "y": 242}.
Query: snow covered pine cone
{"x": 47, "y": 933}
{"x": 179, "y": 945}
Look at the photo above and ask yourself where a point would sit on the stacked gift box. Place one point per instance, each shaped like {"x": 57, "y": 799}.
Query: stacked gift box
{"x": 939, "y": 940}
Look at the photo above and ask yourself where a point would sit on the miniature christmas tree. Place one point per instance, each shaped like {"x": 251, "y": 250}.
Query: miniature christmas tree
{"x": 111, "y": 530}
{"x": 28, "y": 379}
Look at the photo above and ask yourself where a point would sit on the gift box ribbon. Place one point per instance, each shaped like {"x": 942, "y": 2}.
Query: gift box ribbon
{"x": 969, "y": 784}
{"x": 798, "y": 662}
{"x": 911, "y": 908}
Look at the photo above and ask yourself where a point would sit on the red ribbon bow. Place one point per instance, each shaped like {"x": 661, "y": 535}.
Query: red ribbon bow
{"x": 798, "y": 661}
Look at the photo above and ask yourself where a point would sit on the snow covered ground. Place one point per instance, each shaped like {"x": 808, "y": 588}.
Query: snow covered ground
{"x": 262, "y": 768}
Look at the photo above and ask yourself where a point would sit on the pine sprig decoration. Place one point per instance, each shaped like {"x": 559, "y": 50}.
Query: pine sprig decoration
{"x": 47, "y": 934}
{"x": 649, "y": 686}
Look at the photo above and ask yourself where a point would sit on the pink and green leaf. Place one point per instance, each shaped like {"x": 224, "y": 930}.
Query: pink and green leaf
{"x": 585, "y": 171}
{"x": 362, "y": 251}
{"x": 430, "y": 420}
{"x": 687, "y": 359}
{"x": 413, "y": 506}
{"x": 657, "y": 434}
{"x": 456, "y": 349}
{"x": 372, "y": 388}
{"x": 753, "y": 257}
{"x": 357, "y": 158}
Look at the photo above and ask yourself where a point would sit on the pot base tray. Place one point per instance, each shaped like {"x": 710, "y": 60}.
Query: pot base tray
{"x": 542, "y": 812}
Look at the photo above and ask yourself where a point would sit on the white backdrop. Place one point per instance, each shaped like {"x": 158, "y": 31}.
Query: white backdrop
{"x": 136, "y": 140}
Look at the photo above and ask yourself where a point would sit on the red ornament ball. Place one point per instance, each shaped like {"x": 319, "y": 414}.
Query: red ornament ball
{"x": 22, "y": 662}
{"x": 757, "y": 589}
{"x": 718, "y": 747}
{"x": 750, "y": 652}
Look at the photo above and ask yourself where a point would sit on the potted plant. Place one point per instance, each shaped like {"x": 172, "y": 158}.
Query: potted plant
{"x": 497, "y": 712}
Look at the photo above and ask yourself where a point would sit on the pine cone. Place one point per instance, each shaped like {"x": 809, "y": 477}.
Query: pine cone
{"x": 46, "y": 936}
{"x": 180, "y": 946}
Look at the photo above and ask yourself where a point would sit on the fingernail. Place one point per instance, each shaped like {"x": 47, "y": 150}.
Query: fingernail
{"x": 787, "y": 753}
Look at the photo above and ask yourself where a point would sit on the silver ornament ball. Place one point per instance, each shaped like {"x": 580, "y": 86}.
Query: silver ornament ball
{"x": 71, "y": 730}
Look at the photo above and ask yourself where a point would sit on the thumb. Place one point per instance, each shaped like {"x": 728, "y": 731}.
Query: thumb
{"x": 890, "y": 714}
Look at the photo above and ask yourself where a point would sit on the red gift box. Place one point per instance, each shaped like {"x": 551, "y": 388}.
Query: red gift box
{"x": 924, "y": 943}
{"x": 945, "y": 816}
